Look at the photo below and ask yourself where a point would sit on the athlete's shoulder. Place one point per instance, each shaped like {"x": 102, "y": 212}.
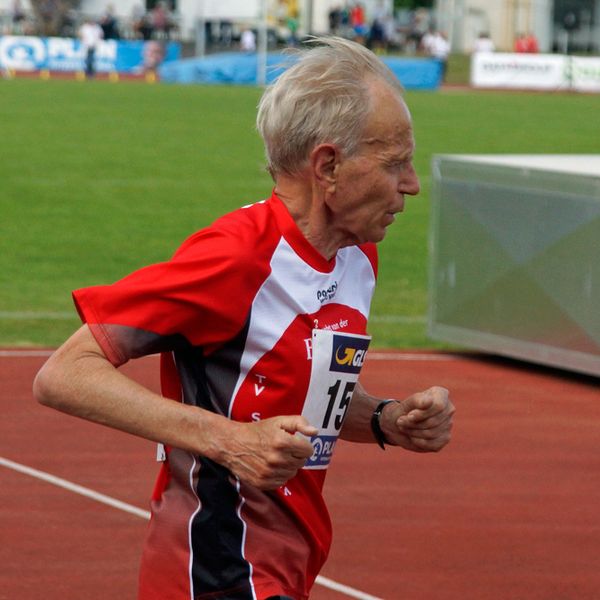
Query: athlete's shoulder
{"x": 243, "y": 233}
{"x": 249, "y": 220}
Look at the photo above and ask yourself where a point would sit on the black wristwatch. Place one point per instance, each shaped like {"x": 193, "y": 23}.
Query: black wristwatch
{"x": 376, "y": 425}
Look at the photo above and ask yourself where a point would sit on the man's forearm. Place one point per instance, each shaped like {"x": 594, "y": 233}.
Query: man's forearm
{"x": 79, "y": 380}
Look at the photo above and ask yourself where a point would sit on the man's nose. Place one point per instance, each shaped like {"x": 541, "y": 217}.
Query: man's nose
{"x": 410, "y": 183}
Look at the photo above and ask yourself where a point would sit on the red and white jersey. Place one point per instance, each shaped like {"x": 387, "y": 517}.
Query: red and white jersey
{"x": 237, "y": 314}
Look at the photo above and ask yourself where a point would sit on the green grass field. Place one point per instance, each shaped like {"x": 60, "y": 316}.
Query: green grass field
{"x": 98, "y": 179}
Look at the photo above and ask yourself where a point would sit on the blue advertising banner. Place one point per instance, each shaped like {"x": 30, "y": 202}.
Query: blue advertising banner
{"x": 24, "y": 53}
{"x": 241, "y": 68}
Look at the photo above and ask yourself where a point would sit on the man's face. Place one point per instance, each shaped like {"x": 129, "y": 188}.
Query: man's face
{"x": 370, "y": 186}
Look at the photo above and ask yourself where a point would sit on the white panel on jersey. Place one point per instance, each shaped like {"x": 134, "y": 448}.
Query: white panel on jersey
{"x": 294, "y": 288}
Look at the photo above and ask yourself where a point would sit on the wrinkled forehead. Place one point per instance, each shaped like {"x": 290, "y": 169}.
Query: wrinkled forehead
{"x": 389, "y": 129}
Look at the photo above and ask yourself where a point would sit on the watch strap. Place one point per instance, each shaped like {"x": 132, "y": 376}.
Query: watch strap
{"x": 376, "y": 424}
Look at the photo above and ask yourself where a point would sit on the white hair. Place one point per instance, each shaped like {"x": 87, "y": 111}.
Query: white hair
{"x": 322, "y": 98}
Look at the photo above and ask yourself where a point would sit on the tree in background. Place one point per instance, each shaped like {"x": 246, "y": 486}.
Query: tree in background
{"x": 55, "y": 17}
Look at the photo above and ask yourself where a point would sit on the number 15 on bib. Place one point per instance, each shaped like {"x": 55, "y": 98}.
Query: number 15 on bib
{"x": 336, "y": 362}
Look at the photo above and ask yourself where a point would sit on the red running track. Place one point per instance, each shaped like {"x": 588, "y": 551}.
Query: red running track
{"x": 510, "y": 510}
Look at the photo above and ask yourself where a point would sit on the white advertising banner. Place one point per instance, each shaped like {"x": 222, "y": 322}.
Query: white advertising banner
{"x": 585, "y": 74}
{"x": 520, "y": 71}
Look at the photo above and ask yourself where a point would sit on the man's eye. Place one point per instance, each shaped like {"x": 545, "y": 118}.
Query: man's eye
{"x": 397, "y": 164}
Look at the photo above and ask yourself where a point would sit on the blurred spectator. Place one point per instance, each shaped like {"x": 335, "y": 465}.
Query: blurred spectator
{"x": 17, "y": 17}
{"x": 378, "y": 33}
{"x": 292, "y": 27}
{"x": 345, "y": 21}
{"x": 69, "y": 20}
{"x": 420, "y": 26}
{"x": 440, "y": 50}
{"x": 209, "y": 36}
{"x": 340, "y": 21}
{"x": 248, "y": 40}
{"x": 109, "y": 24}
{"x": 90, "y": 34}
{"x": 161, "y": 20}
{"x": 47, "y": 12}
{"x": 335, "y": 20}
{"x": 520, "y": 43}
{"x": 141, "y": 23}
{"x": 483, "y": 44}
{"x": 526, "y": 43}
{"x": 392, "y": 37}
{"x": 358, "y": 22}
{"x": 286, "y": 21}
{"x": 532, "y": 44}
{"x": 136, "y": 19}
{"x": 225, "y": 33}
{"x": 427, "y": 41}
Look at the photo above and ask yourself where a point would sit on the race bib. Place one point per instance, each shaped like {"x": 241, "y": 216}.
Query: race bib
{"x": 336, "y": 362}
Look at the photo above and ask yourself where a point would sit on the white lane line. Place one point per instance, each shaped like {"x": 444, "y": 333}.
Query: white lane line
{"x": 24, "y": 353}
{"x": 344, "y": 589}
{"x": 144, "y": 514}
{"x": 73, "y": 487}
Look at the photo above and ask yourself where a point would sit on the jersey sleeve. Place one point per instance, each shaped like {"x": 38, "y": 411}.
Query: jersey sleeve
{"x": 201, "y": 297}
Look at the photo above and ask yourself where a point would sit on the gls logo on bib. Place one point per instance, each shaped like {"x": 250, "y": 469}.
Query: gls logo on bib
{"x": 348, "y": 354}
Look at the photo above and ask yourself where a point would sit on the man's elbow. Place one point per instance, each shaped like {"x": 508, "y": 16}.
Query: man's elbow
{"x": 63, "y": 381}
{"x": 46, "y": 386}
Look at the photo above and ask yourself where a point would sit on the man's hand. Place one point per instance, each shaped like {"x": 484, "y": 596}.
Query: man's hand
{"x": 266, "y": 454}
{"x": 421, "y": 423}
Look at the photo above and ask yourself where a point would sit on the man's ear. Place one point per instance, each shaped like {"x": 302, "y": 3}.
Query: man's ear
{"x": 324, "y": 161}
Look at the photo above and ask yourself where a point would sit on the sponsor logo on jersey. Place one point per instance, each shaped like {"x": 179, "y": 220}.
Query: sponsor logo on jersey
{"x": 327, "y": 294}
{"x": 348, "y": 354}
{"x": 323, "y": 446}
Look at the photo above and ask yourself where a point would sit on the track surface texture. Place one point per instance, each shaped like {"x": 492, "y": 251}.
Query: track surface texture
{"x": 509, "y": 510}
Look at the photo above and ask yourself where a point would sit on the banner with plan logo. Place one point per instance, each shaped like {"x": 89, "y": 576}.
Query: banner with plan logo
{"x": 26, "y": 53}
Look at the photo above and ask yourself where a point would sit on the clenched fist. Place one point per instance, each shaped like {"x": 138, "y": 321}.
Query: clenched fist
{"x": 267, "y": 454}
{"x": 422, "y": 422}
